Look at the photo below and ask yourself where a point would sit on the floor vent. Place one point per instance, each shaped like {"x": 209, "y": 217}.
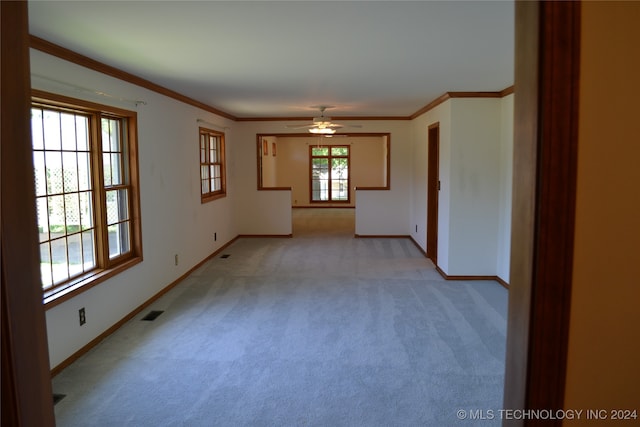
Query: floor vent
{"x": 225, "y": 256}
{"x": 58, "y": 397}
{"x": 152, "y": 315}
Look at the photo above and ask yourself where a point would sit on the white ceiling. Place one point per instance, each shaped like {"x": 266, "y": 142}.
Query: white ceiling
{"x": 276, "y": 59}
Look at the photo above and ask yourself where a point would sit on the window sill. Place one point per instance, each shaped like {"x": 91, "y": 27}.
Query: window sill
{"x": 212, "y": 197}
{"x": 84, "y": 283}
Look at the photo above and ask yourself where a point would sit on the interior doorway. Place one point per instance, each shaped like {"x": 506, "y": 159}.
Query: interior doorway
{"x": 433, "y": 188}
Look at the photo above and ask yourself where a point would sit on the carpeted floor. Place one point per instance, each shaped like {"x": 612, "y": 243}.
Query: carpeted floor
{"x": 319, "y": 330}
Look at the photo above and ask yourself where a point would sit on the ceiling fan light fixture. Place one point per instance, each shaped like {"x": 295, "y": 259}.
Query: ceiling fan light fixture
{"x": 322, "y": 130}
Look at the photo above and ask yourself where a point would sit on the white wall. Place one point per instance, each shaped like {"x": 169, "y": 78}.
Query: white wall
{"x": 474, "y": 186}
{"x": 266, "y": 212}
{"x": 475, "y": 171}
{"x": 387, "y": 212}
{"x": 173, "y": 219}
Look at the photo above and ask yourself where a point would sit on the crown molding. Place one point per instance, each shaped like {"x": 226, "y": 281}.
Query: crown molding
{"x": 84, "y": 61}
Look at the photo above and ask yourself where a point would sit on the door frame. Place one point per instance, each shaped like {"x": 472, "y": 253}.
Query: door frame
{"x": 547, "y": 46}
{"x": 27, "y": 398}
{"x": 433, "y": 190}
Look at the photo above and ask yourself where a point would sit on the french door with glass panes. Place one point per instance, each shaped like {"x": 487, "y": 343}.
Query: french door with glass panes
{"x": 329, "y": 173}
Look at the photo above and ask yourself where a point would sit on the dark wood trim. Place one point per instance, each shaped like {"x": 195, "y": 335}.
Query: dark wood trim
{"x": 10, "y": 406}
{"x": 273, "y": 119}
{"x": 382, "y": 236}
{"x": 555, "y": 204}
{"x": 371, "y": 188}
{"x": 430, "y": 106}
{"x": 527, "y": 17}
{"x": 76, "y": 104}
{"x": 447, "y": 277}
{"x": 222, "y": 193}
{"x": 506, "y": 91}
{"x": 464, "y": 277}
{"x": 336, "y": 203}
{"x": 422, "y": 251}
{"x": 311, "y": 135}
{"x": 134, "y": 177}
{"x": 75, "y": 356}
{"x": 274, "y": 189}
{"x": 474, "y": 94}
{"x": 545, "y": 154}
{"x": 259, "y": 168}
{"x": 388, "y": 183}
{"x": 433, "y": 190}
{"x": 84, "y": 61}
{"x": 268, "y": 236}
{"x": 323, "y": 207}
{"x": 329, "y": 157}
{"x": 59, "y": 295}
{"x": 365, "y": 118}
{"x": 26, "y": 384}
{"x": 503, "y": 282}
{"x": 308, "y": 119}
{"x": 448, "y": 95}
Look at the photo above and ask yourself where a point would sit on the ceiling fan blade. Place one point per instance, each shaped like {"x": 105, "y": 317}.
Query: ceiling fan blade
{"x": 299, "y": 126}
{"x": 322, "y": 122}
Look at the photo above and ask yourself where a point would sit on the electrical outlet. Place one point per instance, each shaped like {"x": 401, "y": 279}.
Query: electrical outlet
{"x": 82, "y": 316}
{"x": 176, "y": 259}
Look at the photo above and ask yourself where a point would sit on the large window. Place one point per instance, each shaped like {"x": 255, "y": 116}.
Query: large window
{"x": 329, "y": 173}
{"x": 212, "y": 175}
{"x": 86, "y": 189}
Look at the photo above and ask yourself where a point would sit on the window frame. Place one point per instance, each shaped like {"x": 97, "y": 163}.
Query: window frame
{"x": 329, "y": 158}
{"x": 106, "y": 266}
{"x": 206, "y": 162}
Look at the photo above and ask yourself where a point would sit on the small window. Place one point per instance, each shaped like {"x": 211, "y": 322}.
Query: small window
{"x": 329, "y": 173}
{"x": 212, "y": 165}
{"x": 86, "y": 189}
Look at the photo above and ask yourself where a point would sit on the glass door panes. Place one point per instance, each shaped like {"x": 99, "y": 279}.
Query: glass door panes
{"x": 329, "y": 174}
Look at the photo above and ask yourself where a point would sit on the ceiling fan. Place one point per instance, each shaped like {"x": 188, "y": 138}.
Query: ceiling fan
{"x": 322, "y": 125}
